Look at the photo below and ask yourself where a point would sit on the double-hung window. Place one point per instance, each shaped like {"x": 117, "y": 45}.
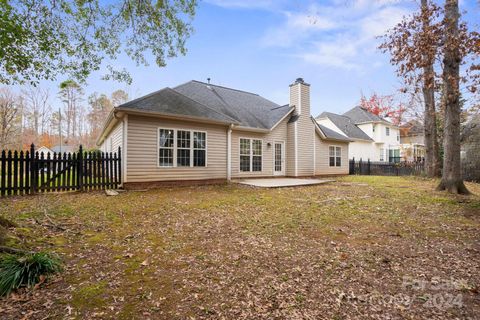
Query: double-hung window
{"x": 177, "y": 149}
{"x": 250, "y": 155}
{"x": 387, "y": 131}
{"x": 199, "y": 149}
{"x": 183, "y": 148}
{"x": 166, "y": 147}
{"x": 335, "y": 156}
{"x": 382, "y": 154}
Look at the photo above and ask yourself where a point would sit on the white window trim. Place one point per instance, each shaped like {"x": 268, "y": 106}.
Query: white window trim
{"x": 251, "y": 153}
{"x": 335, "y": 156}
{"x": 284, "y": 170}
{"x": 175, "y": 148}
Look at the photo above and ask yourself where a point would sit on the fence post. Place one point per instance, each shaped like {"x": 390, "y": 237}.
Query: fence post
{"x": 360, "y": 166}
{"x": 33, "y": 170}
{"x": 119, "y": 157}
{"x": 352, "y": 166}
{"x": 80, "y": 168}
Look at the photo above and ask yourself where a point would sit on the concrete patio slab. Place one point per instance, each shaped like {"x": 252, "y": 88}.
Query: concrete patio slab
{"x": 281, "y": 182}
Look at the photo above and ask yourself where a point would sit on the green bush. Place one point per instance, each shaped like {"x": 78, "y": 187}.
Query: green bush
{"x": 25, "y": 270}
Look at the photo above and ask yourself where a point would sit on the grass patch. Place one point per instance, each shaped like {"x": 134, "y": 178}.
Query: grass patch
{"x": 238, "y": 252}
{"x": 90, "y": 295}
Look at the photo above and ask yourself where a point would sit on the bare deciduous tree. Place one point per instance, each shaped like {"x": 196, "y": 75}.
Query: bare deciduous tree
{"x": 37, "y": 109}
{"x": 414, "y": 45}
{"x": 10, "y": 118}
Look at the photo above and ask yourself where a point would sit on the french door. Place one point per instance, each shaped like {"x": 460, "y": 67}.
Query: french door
{"x": 279, "y": 159}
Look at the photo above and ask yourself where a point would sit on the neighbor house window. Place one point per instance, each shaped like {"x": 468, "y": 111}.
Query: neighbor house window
{"x": 250, "y": 155}
{"x": 382, "y": 154}
{"x": 387, "y": 131}
{"x": 176, "y": 148}
{"x": 335, "y": 156}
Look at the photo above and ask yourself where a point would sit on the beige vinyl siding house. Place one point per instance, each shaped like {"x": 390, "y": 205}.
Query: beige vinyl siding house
{"x": 142, "y": 151}
{"x": 114, "y": 140}
{"x": 278, "y": 134}
{"x": 202, "y": 132}
{"x": 322, "y": 159}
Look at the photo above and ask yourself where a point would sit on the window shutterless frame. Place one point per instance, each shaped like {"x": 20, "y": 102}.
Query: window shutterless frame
{"x": 334, "y": 156}
{"x": 251, "y": 154}
{"x": 175, "y": 147}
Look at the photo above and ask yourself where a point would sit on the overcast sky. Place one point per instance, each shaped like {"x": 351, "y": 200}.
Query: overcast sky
{"x": 263, "y": 45}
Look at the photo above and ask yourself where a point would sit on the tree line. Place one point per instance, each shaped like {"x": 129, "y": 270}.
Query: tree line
{"x": 28, "y": 117}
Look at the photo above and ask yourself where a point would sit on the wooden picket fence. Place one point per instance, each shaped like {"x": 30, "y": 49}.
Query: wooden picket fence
{"x": 32, "y": 172}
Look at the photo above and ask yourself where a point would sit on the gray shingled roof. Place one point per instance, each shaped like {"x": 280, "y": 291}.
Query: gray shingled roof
{"x": 168, "y": 101}
{"x": 360, "y": 115}
{"x": 330, "y": 134}
{"x": 249, "y": 109}
{"x": 346, "y": 125}
{"x": 202, "y": 100}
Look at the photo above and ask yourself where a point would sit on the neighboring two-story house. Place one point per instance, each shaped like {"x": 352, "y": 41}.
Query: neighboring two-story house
{"x": 412, "y": 141}
{"x": 373, "y": 137}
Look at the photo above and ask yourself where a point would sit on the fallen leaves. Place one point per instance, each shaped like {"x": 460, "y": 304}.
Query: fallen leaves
{"x": 228, "y": 252}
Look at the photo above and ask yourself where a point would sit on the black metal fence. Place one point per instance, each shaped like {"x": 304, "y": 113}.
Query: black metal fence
{"x": 33, "y": 172}
{"x": 386, "y": 169}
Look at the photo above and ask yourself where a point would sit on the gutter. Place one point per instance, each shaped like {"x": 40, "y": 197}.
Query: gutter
{"x": 113, "y": 119}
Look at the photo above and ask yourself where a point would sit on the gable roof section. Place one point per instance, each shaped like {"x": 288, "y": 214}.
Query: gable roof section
{"x": 347, "y": 126}
{"x": 170, "y": 102}
{"x": 412, "y": 128}
{"x": 329, "y": 134}
{"x": 248, "y": 109}
{"x": 360, "y": 115}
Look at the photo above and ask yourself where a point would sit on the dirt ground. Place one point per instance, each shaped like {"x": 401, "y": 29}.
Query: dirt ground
{"x": 358, "y": 248}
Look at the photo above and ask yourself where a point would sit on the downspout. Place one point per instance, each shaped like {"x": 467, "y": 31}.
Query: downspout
{"x": 314, "y": 150}
{"x": 229, "y": 152}
{"x": 124, "y": 149}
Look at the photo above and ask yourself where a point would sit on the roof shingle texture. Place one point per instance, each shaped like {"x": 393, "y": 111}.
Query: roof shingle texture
{"x": 168, "y": 101}
{"x": 346, "y": 124}
{"x": 330, "y": 134}
{"x": 249, "y": 109}
{"x": 202, "y": 100}
{"x": 360, "y": 115}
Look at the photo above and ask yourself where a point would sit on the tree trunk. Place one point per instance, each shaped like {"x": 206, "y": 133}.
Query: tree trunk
{"x": 452, "y": 178}
{"x": 432, "y": 161}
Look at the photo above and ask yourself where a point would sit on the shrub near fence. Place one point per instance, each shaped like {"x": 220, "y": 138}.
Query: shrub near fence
{"x": 33, "y": 172}
{"x": 386, "y": 168}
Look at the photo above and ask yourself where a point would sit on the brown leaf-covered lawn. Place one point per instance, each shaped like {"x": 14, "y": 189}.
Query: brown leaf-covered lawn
{"x": 361, "y": 247}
